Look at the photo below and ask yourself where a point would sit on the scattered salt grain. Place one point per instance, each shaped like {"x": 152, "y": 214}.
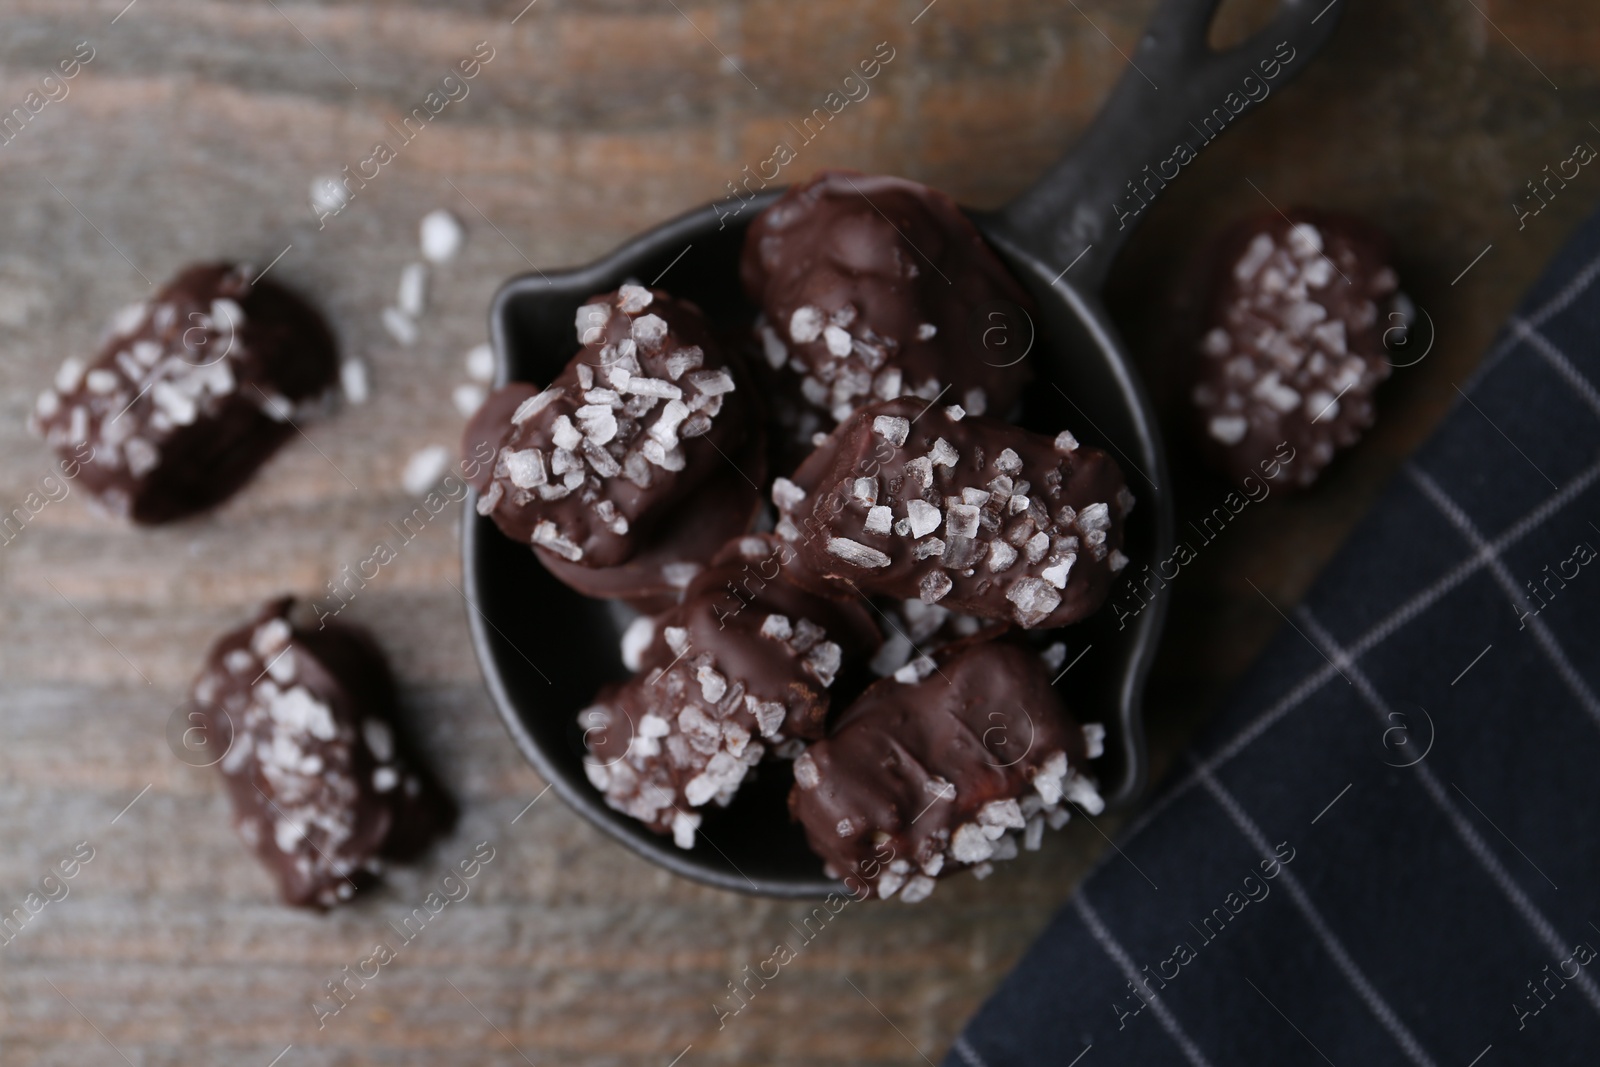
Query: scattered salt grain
{"x": 400, "y": 326}
{"x": 424, "y": 468}
{"x": 468, "y": 398}
{"x": 440, "y": 236}
{"x": 353, "y": 380}
{"x": 413, "y": 292}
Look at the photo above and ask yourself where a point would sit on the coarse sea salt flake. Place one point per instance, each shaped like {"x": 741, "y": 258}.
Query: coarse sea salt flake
{"x": 440, "y": 236}
{"x": 425, "y": 467}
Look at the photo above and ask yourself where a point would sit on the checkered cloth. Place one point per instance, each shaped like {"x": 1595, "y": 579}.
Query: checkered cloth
{"x": 1387, "y": 851}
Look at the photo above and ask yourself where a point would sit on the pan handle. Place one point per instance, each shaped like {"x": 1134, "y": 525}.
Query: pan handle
{"x": 1177, "y": 93}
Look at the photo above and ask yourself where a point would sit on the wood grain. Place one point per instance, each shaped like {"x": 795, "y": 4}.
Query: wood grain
{"x": 195, "y": 133}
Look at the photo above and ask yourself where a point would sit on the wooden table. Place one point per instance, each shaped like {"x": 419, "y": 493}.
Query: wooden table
{"x": 195, "y": 131}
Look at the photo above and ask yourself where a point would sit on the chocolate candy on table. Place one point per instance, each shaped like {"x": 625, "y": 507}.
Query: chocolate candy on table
{"x": 644, "y": 414}
{"x": 1289, "y": 345}
{"x": 907, "y": 499}
{"x": 922, "y": 779}
{"x": 742, "y": 668}
{"x": 873, "y": 288}
{"x": 191, "y": 392}
{"x": 323, "y": 790}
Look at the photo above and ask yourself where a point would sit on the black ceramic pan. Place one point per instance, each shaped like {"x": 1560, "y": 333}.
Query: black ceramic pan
{"x": 545, "y": 650}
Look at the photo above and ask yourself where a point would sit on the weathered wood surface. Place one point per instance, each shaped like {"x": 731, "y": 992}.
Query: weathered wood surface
{"x": 195, "y": 132}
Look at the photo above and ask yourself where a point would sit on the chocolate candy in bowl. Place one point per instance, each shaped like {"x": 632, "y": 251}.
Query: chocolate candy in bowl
{"x": 545, "y": 650}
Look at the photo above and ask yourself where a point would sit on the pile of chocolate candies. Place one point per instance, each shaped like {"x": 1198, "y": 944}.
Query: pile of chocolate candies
{"x": 913, "y": 534}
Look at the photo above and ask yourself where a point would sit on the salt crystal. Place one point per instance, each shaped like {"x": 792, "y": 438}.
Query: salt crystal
{"x": 684, "y": 825}
{"x": 976, "y": 401}
{"x": 892, "y": 429}
{"x": 856, "y": 553}
{"x": 467, "y": 398}
{"x": 955, "y": 413}
{"x": 525, "y": 468}
{"x": 772, "y": 347}
{"x": 632, "y": 299}
{"x": 805, "y": 325}
{"x": 70, "y": 374}
{"x": 786, "y": 495}
{"x": 687, "y": 359}
{"x": 591, "y": 322}
{"x": 1065, "y": 442}
{"x": 655, "y": 387}
{"x": 838, "y": 341}
{"x": 598, "y": 421}
{"x": 413, "y": 292}
{"x": 328, "y": 195}
{"x": 806, "y": 634}
{"x": 101, "y": 381}
{"x": 1118, "y": 561}
{"x": 880, "y": 519}
{"x": 712, "y": 382}
{"x": 547, "y": 535}
{"x": 926, "y": 331}
{"x": 915, "y": 671}
{"x": 970, "y": 845}
{"x": 425, "y": 467}
{"x": 353, "y": 380}
{"x": 480, "y": 363}
{"x": 1001, "y": 556}
{"x": 649, "y": 330}
{"x": 1056, "y": 574}
{"x": 1008, "y": 462}
{"x": 865, "y": 491}
{"x": 962, "y": 521}
{"x": 564, "y": 434}
{"x": 943, "y": 454}
{"x": 776, "y": 627}
{"x": 824, "y": 662}
{"x": 1260, "y": 248}
{"x": 806, "y": 775}
{"x": 934, "y": 587}
{"x": 924, "y": 517}
{"x": 400, "y": 326}
{"x": 1034, "y": 600}
{"x": 921, "y": 471}
{"x": 713, "y": 686}
{"x": 440, "y": 236}
{"x": 931, "y": 547}
{"x": 677, "y": 639}
{"x": 1094, "y": 517}
{"x": 635, "y": 640}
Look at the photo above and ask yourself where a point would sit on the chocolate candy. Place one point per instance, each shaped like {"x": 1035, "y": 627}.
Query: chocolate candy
{"x": 911, "y": 500}
{"x": 191, "y": 392}
{"x": 1290, "y": 341}
{"x": 648, "y": 410}
{"x": 920, "y": 780}
{"x": 744, "y": 665}
{"x": 322, "y": 790}
{"x": 655, "y": 576}
{"x": 874, "y": 288}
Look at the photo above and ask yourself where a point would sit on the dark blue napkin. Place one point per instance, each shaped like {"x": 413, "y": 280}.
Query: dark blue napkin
{"x": 1387, "y": 848}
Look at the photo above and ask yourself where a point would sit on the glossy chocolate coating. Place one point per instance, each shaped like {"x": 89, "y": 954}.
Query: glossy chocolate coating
{"x": 743, "y": 665}
{"x": 873, "y": 288}
{"x": 190, "y": 393}
{"x": 648, "y": 410}
{"x": 1289, "y": 342}
{"x": 974, "y": 514}
{"x": 323, "y": 790}
{"x": 922, "y": 779}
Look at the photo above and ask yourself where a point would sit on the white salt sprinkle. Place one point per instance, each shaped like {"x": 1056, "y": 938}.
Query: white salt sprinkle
{"x": 468, "y": 398}
{"x": 400, "y": 326}
{"x": 425, "y": 467}
{"x": 353, "y": 380}
{"x": 440, "y": 236}
{"x": 413, "y": 292}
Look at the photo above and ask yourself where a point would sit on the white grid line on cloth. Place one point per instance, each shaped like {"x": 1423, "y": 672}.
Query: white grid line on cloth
{"x": 965, "y": 1050}
{"x": 1119, "y": 955}
{"x": 1358, "y": 981}
{"x": 1541, "y": 633}
{"x": 1549, "y": 310}
{"x": 1559, "y": 361}
{"x": 1379, "y": 633}
{"x": 1542, "y": 927}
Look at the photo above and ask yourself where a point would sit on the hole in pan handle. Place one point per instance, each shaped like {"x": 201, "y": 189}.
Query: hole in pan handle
{"x": 1085, "y": 205}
